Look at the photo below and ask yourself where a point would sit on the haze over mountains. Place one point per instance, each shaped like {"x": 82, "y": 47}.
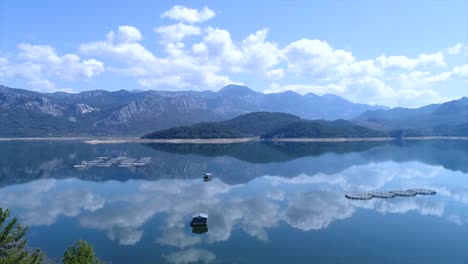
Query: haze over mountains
{"x": 449, "y": 118}
{"x": 27, "y": 113}
{"x": 135, "y": 113}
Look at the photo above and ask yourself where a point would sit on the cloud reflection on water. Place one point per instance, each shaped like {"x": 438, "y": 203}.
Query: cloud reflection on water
{"x": 303, "y": 202}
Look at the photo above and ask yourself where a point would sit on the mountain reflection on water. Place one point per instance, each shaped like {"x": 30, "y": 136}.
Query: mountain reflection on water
{"x": 263, "y": 196}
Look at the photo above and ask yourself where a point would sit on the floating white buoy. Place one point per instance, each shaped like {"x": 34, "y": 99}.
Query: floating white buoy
{"x": 384, "y": 195}
{"x": 358, "y": 196}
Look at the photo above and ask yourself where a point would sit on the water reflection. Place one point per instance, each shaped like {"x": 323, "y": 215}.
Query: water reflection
{"x": 192, "y": 255}
{"x": 233, "y": 164}
{"x": 200, "y": 229}
{"x": 303, "y": 202}
{"x": 252, "y": 199}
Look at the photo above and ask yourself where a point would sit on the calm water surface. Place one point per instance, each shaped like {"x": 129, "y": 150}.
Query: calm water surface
{"x": 267, "y": 203}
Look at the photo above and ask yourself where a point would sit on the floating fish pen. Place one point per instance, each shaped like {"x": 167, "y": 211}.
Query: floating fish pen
{"x": 407, "y": 193}
{"x": 388, "y": 195}
{"x": 424, "y": 191}
{"x": 120, "y": 162}
{"x": 125, "y": 165}
{"x": 104, "y": 165}
{"x": 383, "y": 195}
{"x": 358, "y": 196}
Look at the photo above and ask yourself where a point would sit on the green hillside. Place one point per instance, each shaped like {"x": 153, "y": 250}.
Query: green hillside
{"x": 247, "y": 125}
{"x": 267, "y": 125}
{"x": 323, "y": 129}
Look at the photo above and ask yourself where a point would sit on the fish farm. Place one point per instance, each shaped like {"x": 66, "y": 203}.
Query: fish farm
{"x": 120, "y": 162}
{"x": 391, "y": 194}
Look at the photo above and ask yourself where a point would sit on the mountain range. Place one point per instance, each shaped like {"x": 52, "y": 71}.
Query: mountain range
{"x": 134, "y": 113}
{"x": 449, "y": 118}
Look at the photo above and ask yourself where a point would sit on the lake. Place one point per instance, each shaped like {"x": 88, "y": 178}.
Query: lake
{"x": 267, "y": 202}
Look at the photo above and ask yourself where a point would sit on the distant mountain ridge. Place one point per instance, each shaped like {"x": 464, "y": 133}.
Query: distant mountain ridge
{"x": 439, "y": 119}
{"x": 133, "y": 113}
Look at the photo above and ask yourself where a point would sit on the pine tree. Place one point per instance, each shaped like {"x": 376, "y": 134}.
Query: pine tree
{"x": 80, "y": 253}
{"x": 13, "y": 243}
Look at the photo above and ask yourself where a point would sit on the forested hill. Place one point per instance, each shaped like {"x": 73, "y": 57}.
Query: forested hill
{"x": 323, "y": 129}
{"x": 247, "y": 125}
{"x": 267, "y": 125}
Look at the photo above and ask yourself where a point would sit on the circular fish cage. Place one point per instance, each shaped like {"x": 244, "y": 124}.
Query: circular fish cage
{"x": 383, "y": 195}
{"x": 358, "y": 196}
{"x": 423, "y": 191}
{"x": 407, "y": 193}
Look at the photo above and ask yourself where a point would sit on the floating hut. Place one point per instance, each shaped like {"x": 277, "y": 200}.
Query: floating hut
{"x": 207, "y": 176}
{"x": 199, "y": 219}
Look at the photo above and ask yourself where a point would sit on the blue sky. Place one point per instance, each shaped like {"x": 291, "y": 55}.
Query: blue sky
{"x": 398, "y": 53}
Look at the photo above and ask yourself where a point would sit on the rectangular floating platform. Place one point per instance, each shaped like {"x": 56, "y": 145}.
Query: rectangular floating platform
{"x": 121, "y": 162}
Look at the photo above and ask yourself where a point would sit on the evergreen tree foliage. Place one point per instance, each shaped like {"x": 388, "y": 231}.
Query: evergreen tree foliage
{"x": 80, "y": 253}
{"x": 13, "y": 244}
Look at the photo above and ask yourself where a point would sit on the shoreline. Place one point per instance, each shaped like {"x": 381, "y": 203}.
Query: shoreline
{"x": 173, "y": 141}
{"x": 121, "y": 140}
{"x": 329, "y": 139}
{"x": 365, "y": 139}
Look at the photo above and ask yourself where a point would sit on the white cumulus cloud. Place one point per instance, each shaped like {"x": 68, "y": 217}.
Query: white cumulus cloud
{"x": 177, "y": 32}
{"x": 403, "y": 62}
{"x": 189, "y": 15}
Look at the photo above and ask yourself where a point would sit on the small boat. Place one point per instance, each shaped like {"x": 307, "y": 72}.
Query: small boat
{"x": 207, "y": 176}
{"x": 200, "y": 219}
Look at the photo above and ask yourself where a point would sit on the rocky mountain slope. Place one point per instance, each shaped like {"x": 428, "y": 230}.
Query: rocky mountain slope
{"x": 124, "y": 113}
